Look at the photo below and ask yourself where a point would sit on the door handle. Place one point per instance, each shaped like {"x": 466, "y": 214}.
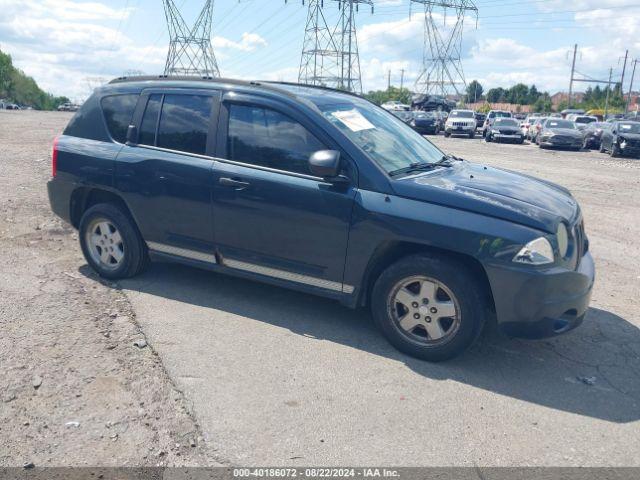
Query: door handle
{"x": 232, "y": 182}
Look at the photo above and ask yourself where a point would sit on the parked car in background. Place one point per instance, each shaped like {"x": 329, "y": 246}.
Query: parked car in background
{"x": 569, "y": 111}
{"x": 592, "y": 135}
{"x": 622, "y": 138}
{"x": 68, "y": 107}
{"x": 460, "y": 122}
{"x": 582, "y": 121}
{"x": 559, "y": 133}
{"x": 491, "y": 116}
{"x": 395, "y": 105}
{"x": 480, "y": 118}
{"x": 505, "y": 130}
{"x": 405, "y": 115}
{"x": 534, "y": 129}
{"x": 12, "y": 106}
{"x": 203, "y": 172}
{"x": 426, "y": 122}
{"x": 526, "y": 124}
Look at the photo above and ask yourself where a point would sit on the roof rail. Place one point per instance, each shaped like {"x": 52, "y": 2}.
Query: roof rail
{"x": 185, "y": 78}
{"x": 308, "y": 85}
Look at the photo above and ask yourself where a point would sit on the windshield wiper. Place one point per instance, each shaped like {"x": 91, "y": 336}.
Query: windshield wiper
{"x": 415, "y": 167}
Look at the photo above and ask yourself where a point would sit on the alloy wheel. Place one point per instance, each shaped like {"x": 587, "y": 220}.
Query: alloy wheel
{"x": 105, "y": 244}
{"x": 424, "y": 310}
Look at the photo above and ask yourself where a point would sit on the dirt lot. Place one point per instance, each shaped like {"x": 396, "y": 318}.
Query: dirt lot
{"x": 278, "y": 377}
{"x": 73, "y": 389}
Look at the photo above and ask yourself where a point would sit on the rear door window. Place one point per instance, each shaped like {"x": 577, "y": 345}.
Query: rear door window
{"x": 265, "y": 137}
{"x": 118, "y": 112}
{"x": 184, "y": 123}
{"x": 150, "y": 120}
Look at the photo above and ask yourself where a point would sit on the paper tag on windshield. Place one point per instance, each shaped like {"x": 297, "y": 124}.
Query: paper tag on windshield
{"x": 354, "y": 120}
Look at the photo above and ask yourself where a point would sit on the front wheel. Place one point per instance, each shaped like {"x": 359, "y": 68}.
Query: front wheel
{"x": 428, "y": 307}
{"x": 447, "y": 134}
{"x": 472, "y": 135}
{"x": 111, "y": 243}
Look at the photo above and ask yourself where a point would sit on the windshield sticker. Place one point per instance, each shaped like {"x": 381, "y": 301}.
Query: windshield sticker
{"x": 354, "y": 120}
{"x": 626, "y": 127}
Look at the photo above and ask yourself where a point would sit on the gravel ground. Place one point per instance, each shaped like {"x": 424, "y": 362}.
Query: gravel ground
{"x": 73, "y": 390}
{"x": 282, "y": 378}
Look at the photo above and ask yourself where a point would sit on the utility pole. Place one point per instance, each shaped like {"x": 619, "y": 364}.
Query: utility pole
{"x": 633, "y": 74}
{"x": 606, "y": 102}
{"x": 389, "y": 80}
{"x": 190, "y": 50}
{"x": 624, "y": 68}
{"x": 401, "y": 79}
{"x": 573, "y": 69}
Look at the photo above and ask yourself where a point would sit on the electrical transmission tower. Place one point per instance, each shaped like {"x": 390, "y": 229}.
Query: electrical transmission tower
{"x": 330, "y": 55}
{"x": 190, "y": 50}
{"x": 442, "y": 72}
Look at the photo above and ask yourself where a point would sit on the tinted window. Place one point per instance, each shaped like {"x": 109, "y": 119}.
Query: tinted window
{"x": 118, "y": 111}
{"x": 261, "y": 136}
{"x": 506, "y": 122}
{"x": 461, "y": 114}
{"x": 560, "y": 124}
{"x": 147, "y": 134}
{"x": 184, "y": 123}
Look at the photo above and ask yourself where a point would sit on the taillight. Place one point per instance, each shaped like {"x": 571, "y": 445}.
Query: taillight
{"x": 54, "y": 157}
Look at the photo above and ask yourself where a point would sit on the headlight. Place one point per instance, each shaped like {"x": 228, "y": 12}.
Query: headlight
{"x": 549, "y": 134}
{"x": 562, "y": 235}
{"x": 536, "y": 252}
{"x": 493, "y": 130}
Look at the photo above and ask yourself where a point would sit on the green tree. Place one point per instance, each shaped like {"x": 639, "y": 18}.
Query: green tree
{"x": 19, "y": 88}
{"x": 543, "y": 104}
{"x": 496, "y": 95}
{"x": 381, "y": 96}
{"x": 474, "y": 92}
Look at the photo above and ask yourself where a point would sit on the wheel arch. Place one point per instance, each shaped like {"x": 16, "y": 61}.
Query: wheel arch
{"x": 84, "y": 198}
{"x": 390, "y": 252}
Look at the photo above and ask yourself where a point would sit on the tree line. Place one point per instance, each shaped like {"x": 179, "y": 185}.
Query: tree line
{"x": 16, "y": 87}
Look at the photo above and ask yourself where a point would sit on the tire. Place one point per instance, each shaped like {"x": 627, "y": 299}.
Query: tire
{"x": 488, "y": 138}
{"x": 456, "y": 290}
{"x": 128, "y": 254}
{"x": 601, "y": 149}
{"x": 614, "y": 150}
{"x": 447, "y": 134}
{"x": 472, "y": 135}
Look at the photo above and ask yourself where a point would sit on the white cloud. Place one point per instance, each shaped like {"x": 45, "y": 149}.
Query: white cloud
{"x": 61, "y": 42}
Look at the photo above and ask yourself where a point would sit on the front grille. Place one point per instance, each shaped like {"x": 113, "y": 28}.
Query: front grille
{"x": 459, "y": 124}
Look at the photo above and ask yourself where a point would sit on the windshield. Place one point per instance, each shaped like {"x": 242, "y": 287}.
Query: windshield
{"x": 629, "y": 128}
{"x": 500, "y": 115}
{"x": 424, "y": 115}
{"x": 461, "y": 114}
{"x": 506, "y": 122}
{"x": 386, "y": 140}
{"x": 585, "y": 120}
{"x": 560, "y": 124}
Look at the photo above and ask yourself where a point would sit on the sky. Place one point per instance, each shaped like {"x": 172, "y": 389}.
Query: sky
{"x": 70, "y": 46}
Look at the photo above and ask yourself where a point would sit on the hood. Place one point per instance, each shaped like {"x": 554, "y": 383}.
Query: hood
{"x": 630, "y": 136}
{"x": 494, "y": 192}
{"x": 506, "y": 128}
{"x": 565, "y": 131}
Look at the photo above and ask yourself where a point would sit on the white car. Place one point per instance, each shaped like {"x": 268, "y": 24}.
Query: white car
{"x": 528, "y": 123}
{"x": 395, "y": 105}
{"x": 460, "y": 122}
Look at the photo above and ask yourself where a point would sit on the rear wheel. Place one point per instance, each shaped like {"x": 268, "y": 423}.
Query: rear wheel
{"x": 111, "y": 243}
{"x": 613, "y": 152}
{"x": 428, "y": 307}
{"x": 472, "y": 134}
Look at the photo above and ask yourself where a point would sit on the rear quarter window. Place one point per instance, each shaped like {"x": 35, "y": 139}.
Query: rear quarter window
{"x": 118, "y": 112}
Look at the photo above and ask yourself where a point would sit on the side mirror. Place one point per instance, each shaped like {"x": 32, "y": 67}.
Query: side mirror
{"x": 132, "y": 135}
{"x": 325, "y": 163}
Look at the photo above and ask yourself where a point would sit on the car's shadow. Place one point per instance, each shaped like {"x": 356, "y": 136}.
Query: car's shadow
{"x": 593, "y": 371}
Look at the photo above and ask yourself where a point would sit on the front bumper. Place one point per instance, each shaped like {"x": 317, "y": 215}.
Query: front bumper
{"x": 502, "y": 137}
{"x": 466, "y": 130}
{"x": 425, "y": 128}
{"x": 629, "y": 150}
{"x": 538, "y": 303}
{"x": 550, "y": 142}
